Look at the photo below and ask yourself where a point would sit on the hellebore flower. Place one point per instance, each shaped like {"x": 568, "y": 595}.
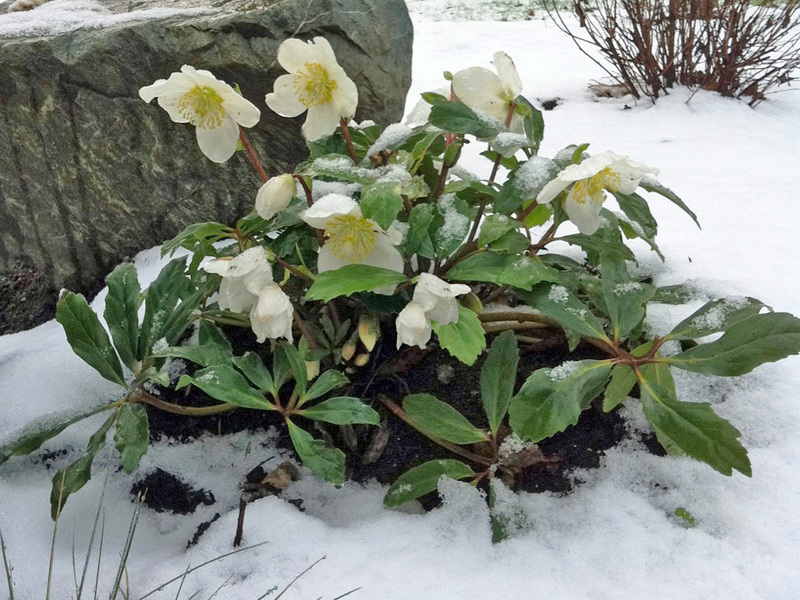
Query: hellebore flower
{"x": 589, "y": 180}
{"x": 413, "y": 326}
{"x": 351, "y": 238}
{"x": 434, "y": 300}
{"x": 438, "y": 298}
{"x": 243, "y": 278}
{"x": 315, "y": 83}
{"x": 272, "y": 315}
{"x": 491, "y": 93}
{"x": 274, "y": 196}
{"x": 212, "y": 106}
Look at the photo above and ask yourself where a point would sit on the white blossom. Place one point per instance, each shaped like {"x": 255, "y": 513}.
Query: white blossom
{"x": 243, "y": 278}
{"x": 589, "y": 180}
{"x": 481, "y": 89}
{"x": 413, "y": 326}
{"x": 215, "y": 109}
{"x": 272, "y": 315}
{"x": 438, "y": 298}
{"x": 351, "y": 238}
{"x": 274, "y": 196}
{"x": 315, "y": 82}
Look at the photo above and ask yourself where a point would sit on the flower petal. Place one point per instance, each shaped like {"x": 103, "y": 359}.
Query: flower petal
{"x": 413, "y": 326}
{"x": 346, "y": 97}
{"x": 244, "y": 112}
{"x": 294, "y": 53}
{"x": 585, "y": 216}
{"x": 322, "y": 120}
{"x": 283, "y": 100}
{"x": 219, "y": 144}
{"x": 481, "y": 89}
{"x": 552, "y": 189}
{"x": 508, "y": 74}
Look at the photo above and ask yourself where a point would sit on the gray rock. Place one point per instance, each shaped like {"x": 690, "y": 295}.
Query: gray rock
{"x": 90, "y": 174}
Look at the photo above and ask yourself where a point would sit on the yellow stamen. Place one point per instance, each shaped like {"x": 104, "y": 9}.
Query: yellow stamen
{"x": 202, "y": 106}
{"x": 350, "y": 238}
{"x": 313, "y": 85}
{"x": 591, "y": 188}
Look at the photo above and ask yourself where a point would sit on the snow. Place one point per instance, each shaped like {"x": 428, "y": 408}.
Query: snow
{"x": 616, "y": 537}
{"x": 63, "y": 16}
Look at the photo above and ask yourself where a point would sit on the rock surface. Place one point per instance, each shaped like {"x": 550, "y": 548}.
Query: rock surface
{"x": 90, "y": 174}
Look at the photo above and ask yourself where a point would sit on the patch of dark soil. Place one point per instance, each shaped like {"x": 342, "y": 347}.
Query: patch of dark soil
{"x": 163, "y": 491}
{"x": 551, "y": 103}
{"x": 201, "y": 529}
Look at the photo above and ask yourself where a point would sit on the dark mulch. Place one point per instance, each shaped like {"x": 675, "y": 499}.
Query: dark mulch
{"x": 435, "y": 372}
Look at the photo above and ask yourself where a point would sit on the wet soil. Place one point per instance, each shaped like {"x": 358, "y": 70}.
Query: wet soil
{"x": 434, "y": 372}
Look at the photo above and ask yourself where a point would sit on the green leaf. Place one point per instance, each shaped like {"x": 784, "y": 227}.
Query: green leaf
{"x": 525, "y": 183}
{"x": 695, "y": 428}
{"x": 636, "y": 209}
{"x": 652, "y": 185}
{"x": 162, "y": 296}
{"x": 440, "y": 420}
{"x": 450, "y": 230}
{"x": 498, "y": 376}
{"x": 225, "y": 384}
{"x": 74, "y": 476}
{"x": 551, "y": 400}
{"x": 675, "y": 294}
{"x": 289, "y": 355}
{"x": 326, "y": 462}
{"x": 329, "y": 380}
{"x": 206, "y": 233}
{"x": 420, "y": 221}
{"x": 381, "y": 201}
{"x": 622, "y": 381}
{"x": 533, "y": 121}
{"x": 182, "y": 315}
{"x": 558, "y": 303}
{"x": 625, "y": 298}
{"x": 132, "y": 436}
{"x": 460, "y": 118}
{"x": 420, "y": 480}
{"x": 214, "y": 348}
{"x": 494, "y": 227}
{"x": 744, "y": 346}
{"x": 513, "y": 242}
{"x": 503, "y": 269}
{"x": 342, "y": 410}
{"x": 351, "y": 279}
{"x": 463, "y": 339}
{"x": 28, "y": 442}
{"x": 715, "y": 316}
{"x": 88, "y": 338}
{"x": 253, "y": 368}
{"x": 122, "y": 312}
{"x": 339, "y": 167}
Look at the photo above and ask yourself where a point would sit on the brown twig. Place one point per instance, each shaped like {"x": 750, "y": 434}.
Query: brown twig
{"x": 251, "y": 154}
{"x": 348, "y": 141}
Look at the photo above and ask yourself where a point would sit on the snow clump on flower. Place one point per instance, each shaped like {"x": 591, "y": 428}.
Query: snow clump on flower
{"x": 215, "y": 109}
{"x": 315, "y": 82}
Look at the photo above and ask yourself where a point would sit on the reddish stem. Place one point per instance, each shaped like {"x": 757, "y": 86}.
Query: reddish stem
{"x": 251, "y": 154}
{"x": 348, "y": 141}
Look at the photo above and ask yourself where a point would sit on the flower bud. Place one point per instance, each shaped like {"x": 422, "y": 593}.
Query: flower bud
{"x": 274, "y": 196}
{"x": 369, "y": 330}
{"x": 361, "y": 359}
{"x": 472, "y": 302}
{"x": 312, "y": 369}
{"x": 349, "y": 349}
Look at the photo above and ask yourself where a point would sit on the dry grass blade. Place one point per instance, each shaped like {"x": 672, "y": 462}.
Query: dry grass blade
{"x": 7, "y": 567}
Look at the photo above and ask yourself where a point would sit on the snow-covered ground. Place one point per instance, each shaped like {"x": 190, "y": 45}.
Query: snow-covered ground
{"x": 615, "y": 537}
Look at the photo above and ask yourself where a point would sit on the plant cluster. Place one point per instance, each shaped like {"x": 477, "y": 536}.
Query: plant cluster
{"x": 381, "y": 234}
{"x": 734, "y": 47}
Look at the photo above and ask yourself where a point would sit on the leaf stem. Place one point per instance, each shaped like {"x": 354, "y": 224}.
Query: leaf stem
{"x": 403, "y": 416}
{"x": 140, "y": 396}
{"x": 251, "y": 154}
{"x": 348, "y": 140}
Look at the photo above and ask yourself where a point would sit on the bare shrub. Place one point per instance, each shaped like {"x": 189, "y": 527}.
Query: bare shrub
{"x": 730, "y": 46}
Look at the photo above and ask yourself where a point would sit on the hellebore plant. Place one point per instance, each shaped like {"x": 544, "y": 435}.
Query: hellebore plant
{"x": 380, "y": 234}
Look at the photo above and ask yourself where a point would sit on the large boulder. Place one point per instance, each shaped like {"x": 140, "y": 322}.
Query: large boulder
{"x": 90, "y": 174}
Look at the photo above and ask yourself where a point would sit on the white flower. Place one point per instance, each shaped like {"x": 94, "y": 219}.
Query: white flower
{"x": 491, "y": 93}
{"x": 413, "y": 326}
{"x": 589, "y": 180}
{"x": 212, "y": 106}
{"x": 272, "y": 315}
{"x": 315, "y": 83}
{"x": 274, "y": 196}
{"x": 243, "y": 278}
{"x": 438, "y": 298}
{"x": 351, "y": 238}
